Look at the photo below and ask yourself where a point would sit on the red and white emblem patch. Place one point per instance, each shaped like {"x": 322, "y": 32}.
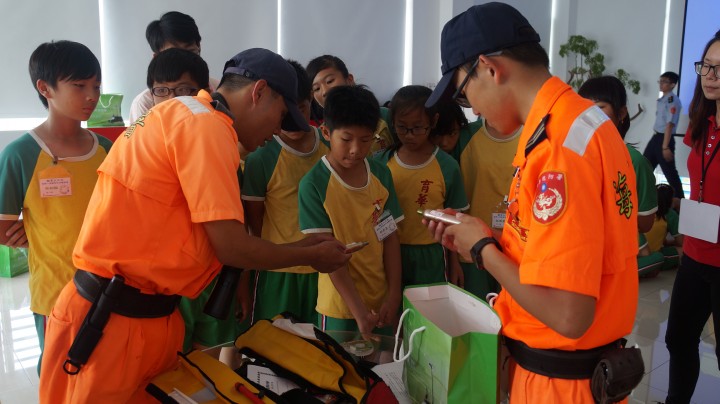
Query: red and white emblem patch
{"x": 550, "y": 197}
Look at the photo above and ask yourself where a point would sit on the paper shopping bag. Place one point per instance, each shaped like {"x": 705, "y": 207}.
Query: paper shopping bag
{"x": 107, "y": 112}
{"x": 452, "y": 340}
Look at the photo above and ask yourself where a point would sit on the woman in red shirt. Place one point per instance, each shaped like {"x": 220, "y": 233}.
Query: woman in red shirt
{"x": 696, "y": 293}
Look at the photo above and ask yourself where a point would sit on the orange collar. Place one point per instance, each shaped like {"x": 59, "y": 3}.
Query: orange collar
{"x": 549, "y": 93}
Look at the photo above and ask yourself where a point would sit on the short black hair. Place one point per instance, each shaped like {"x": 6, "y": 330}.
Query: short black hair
{"x": 173, "y": 27}
{"x": 530, "y": 54}
{"x": 409, "y": 98}
{"x": 62, "y": 60}
{"x": 406, "y": 99}
{"x": 304, "y": 85}
{"x": 607, "y": 89}
{"x": 324, "y": 62}
{"x": 171, "y": 64}
{"x": 449, "y": 114}
{"x": 665, "y": 193}
{"x": 347, "y": 106}
{"x": 232, "y": 81}
{"x": 672, "y": 76}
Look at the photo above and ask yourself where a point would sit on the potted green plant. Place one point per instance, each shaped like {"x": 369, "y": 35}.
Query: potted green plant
{"x": 587, "y": 62}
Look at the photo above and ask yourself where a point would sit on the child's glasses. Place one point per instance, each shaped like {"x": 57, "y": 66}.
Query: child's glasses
{"x": 178, "y": 91}
{"x": 417, "y": 131}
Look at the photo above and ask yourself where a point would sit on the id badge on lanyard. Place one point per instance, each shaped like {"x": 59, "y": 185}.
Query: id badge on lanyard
{"x": 697, "y": 218}
{"x": 55, "y": 181}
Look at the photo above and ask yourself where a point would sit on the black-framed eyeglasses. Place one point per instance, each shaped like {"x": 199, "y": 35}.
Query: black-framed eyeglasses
{"x": 703, "y": 69}
{"x": 178, "y": 91}
{"x": 459, "y": 95}
{"x": 417, "y": 131}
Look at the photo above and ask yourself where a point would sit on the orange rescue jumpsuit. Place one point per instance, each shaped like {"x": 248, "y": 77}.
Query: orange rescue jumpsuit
{"x": 171, "y": 171}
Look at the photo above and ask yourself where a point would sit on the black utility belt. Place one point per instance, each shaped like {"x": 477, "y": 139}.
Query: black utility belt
{"x": 556, "y": 363}
{"x": 130, "y": 302}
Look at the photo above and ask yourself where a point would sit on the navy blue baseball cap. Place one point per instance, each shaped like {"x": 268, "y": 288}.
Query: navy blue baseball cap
{"x": 480, "y": 30}
{"x": 262, "y": 64}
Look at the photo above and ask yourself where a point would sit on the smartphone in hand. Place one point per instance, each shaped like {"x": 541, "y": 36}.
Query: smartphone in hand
{"x": 355, "y": 246}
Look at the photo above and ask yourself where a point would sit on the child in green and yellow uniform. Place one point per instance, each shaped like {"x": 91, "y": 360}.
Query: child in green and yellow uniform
{"x": 270, "y": 193}
{"x": 425, "y": 177}
{"x": 666, "y": 222}
{"x": 485, "y": 160}
{"x": 328, "y": 71}
{"x": 49, "y": 173}
{"x": 354, "y": 199}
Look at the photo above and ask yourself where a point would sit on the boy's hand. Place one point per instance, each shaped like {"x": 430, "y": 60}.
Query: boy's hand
{"x": 389, "y": 310}
{"x": 329, "y": 256}
{"x": 366, "y": 324}
{"x": 16, "y": 235}
{"x": 460, "y": 237}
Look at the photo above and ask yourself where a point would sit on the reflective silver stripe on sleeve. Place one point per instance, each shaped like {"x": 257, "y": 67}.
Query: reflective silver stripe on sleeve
{"x": 195, "y": 106}
{"x": 583, "y": 129}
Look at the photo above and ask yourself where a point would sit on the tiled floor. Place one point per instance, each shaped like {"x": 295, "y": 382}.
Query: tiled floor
{"x": 19, "y": 381}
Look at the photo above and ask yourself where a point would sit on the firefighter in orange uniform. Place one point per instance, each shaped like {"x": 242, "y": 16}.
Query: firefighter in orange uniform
{"x": 566, "y": 259}
{"x": 164, "y": 215}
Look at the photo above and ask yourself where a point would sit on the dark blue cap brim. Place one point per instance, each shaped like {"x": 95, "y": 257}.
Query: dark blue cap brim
{"x": 443, "y": 90}
{"x": 294, "y": 120}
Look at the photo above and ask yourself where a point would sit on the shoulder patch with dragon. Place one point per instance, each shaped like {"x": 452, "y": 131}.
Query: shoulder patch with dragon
{"x": 550, "y": 197}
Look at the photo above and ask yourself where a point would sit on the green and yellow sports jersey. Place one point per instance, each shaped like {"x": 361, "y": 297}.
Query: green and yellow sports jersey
{"x": 329, "y": 205}
{"x": 52, "y": 198}
{"x": 656, "y": 236}
{"x": 434, "y": 184}
{"x": 273, "y": 173}
{"x": 487, "y": 170}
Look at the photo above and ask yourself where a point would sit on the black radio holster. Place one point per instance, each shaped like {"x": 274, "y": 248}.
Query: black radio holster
{"x": 619, "y": 371}
{"x": 92, "y": 327}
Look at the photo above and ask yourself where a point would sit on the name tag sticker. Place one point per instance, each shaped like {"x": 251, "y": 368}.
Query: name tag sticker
{"x": 699, "y": 220}
{"x": 51, "y": 187}
{"x": 498, "y": 220}
{"x": 55, "y": 181}
{"x": 386, "y": 226}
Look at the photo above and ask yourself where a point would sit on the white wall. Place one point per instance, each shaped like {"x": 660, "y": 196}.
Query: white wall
{"x": 26, "y": 24}
{"x": 368, "y": 35}
{"x": 226, "y": 27}
{"x": 630, "y": 35}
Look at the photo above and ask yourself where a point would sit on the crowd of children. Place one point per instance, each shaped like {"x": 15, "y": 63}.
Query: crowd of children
{"x": 360, "y": 175}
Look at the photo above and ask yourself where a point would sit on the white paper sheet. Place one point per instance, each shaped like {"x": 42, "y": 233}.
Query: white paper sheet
{"x": 699, "y": 220}
{"x": 391, "y": 373}
{"x": 267, "y": 378}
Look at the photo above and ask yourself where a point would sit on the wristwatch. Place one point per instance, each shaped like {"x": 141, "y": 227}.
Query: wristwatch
{"x": 478, "y": 247}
